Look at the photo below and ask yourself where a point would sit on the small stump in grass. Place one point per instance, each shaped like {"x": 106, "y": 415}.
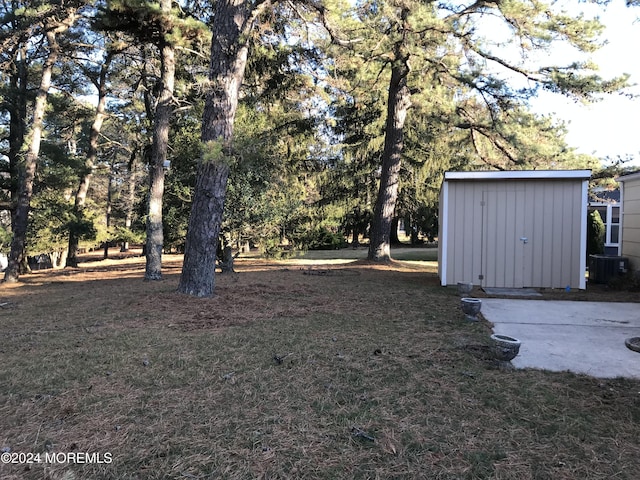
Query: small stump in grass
{"x": 471, "y": 308}
{"x": 505, "y": 348}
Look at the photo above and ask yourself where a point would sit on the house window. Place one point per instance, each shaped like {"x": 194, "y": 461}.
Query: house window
{"x": 610, "y": 214}
{"x": 613, "y": 226}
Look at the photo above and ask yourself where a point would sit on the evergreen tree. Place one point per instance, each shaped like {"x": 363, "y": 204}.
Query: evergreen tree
{"x": 166, "y": 28}
{"x": 234, "y": 21}
{"x": 418, "y": 47}
{"x": 50, "y": 20}
{"x": 595, "y": 234}
{"x": 98, "y": 77}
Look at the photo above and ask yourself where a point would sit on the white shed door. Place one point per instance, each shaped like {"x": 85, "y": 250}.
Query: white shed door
{"x": 504, "y": 238}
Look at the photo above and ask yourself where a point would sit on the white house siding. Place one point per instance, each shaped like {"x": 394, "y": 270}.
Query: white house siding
{"x": 630, "y": 200}
{"x": 486, "y": 218}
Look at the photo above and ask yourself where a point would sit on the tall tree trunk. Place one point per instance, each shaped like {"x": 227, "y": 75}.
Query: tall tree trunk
{"x": 398, "y": 104}
{"x": 414, "y": 232}
{"x": 131, "y": 197}
{"x": 355, "y": 239}
{"x": 162, "y": 119}
{"x": 108, "y": 215}
{"x": 27, "y": 168}
{"x": 17, "y": 122}
{"x": 92, "y": 156}
{"x": 233, "y": 22}
{"x": 393, "y": 231}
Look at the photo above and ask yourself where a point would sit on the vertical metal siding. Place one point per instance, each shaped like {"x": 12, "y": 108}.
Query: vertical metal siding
{"x": 544, "y": 246}
{"x": 462, "y": 242}
{"x": 504, "y": 226}
{"x": 547, "y": 212}
{"x": 443, "y": 233}
{"x": 557, "y": 248}
{"x": 534, "y": 218}
{"x": 556, "y": 233}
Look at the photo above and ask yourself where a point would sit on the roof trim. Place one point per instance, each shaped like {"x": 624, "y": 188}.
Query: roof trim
{"x": 519, "y": 175}
{"x": 631, "y": 176}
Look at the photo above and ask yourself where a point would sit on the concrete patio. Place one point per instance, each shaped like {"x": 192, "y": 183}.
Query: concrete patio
{"x": 582, "y": 337}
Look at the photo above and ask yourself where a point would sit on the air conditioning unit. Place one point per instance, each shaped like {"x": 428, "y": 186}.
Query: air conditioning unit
{"x": 603, "y": 268}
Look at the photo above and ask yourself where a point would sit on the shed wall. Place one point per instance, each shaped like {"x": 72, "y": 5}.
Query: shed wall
{"x": 631, "y": 222}
{"x": 489, "y": 220}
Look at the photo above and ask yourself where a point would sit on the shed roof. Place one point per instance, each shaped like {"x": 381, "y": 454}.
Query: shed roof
{"x": 519, "y": 175}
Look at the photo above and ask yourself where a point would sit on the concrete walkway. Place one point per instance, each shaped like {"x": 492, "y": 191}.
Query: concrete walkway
{"x": 583, "y": 337}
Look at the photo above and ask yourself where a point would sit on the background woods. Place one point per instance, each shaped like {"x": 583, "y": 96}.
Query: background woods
{"x": 301, "y": 124}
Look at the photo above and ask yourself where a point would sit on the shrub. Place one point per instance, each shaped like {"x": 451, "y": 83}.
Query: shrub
{"x": 324, "y": 239}
{"x": 273, "y": 249}
{"x": 595, "y": 234}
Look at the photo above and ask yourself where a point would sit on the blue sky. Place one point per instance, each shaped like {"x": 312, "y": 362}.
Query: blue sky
{"x": 609, "y": 127}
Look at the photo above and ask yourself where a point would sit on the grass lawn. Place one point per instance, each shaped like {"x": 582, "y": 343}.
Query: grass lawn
{"x": 301, "y": 369}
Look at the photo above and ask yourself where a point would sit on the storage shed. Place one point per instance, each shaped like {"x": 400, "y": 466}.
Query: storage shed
{"x": 630, "y": 202}
{"x": 514, "y": 229}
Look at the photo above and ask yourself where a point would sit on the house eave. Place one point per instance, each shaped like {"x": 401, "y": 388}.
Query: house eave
{"x": 631, "y": 176}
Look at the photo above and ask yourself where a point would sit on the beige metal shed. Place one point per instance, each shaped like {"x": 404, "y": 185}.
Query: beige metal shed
{"x": 514, "y": 229}
{"x": 630, "y": 202}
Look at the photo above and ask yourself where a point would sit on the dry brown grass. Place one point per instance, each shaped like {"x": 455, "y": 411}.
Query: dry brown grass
{"x": 300, "y": 371}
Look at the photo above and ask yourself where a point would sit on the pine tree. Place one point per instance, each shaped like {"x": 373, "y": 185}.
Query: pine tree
{"x": 234, "y": 21}
{"x": 99, "y": 80}
{"x": 166, "y": 28}
{"x": 426, "y": 45}
{"x": 51, "y": 21}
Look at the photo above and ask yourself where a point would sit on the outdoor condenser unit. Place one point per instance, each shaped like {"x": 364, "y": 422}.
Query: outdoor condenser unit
{"x": 603, "y": 268}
